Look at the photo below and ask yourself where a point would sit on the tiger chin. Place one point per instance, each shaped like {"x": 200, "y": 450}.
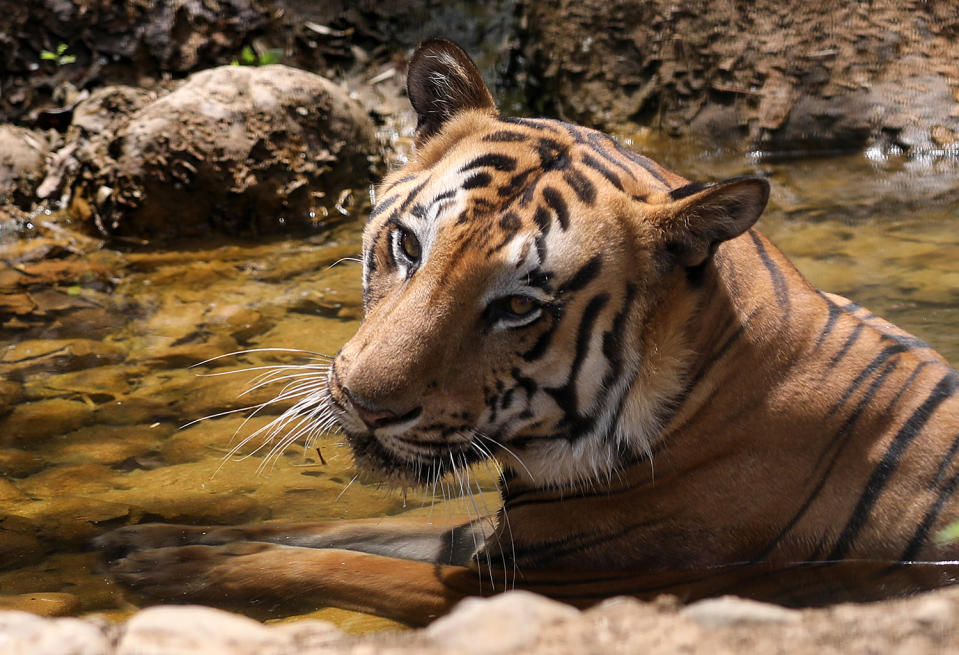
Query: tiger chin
{"x": 673, "y": 406}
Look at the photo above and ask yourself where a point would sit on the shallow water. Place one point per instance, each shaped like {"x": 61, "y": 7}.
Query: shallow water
{"x": 96, "y": 353}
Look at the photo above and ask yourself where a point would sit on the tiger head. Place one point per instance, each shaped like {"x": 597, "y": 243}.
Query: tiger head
{"x": 526, "y": 284}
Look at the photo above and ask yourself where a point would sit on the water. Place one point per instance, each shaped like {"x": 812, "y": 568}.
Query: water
{"x": 96, "y": 348}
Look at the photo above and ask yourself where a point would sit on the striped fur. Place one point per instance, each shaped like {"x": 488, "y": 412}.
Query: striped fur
{"x": 673, "y": 405}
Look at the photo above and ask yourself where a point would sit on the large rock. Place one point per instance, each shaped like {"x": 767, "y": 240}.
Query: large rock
{"x": 234, "y": 149}
{"x": 771, "y": 74}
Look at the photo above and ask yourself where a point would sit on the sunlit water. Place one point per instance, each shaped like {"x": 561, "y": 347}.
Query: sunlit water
{"x": 96, "y": 355}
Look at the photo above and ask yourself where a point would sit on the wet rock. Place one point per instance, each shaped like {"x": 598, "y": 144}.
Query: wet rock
{"x": 234, "y": 149}
{"x": 9, "y": 492}
{"x": 32, "y": 423}
{"x": 58, "y": 355}
{"x": 506, "y": 623}
{"x": 19, "y": 545}
{"x": 730, "y": 610}
{"x": 10, "y": 394}
{"x": 113, "y": 446}
{"x": 16, "y": 463}
{"x": 42, "y": 604}
{"x": 23, "y": 155}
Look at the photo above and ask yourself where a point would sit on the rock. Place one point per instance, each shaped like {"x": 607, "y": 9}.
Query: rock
{"x": 17, "y": 463}
{"x": 23, "y": 156}
{"x": 42, "y": 604}
{"x": 18, "y": 545}
{"x": 31, "y": 423}
{"x": 22, "y": 633}
{"x": 782, "y": 76}
{"x": 58, "y": 355}
{"x": 187, "y": 630}
{"x": 234, "y": 149}
{"x": 730, "y": 610}
{"x": 505, "y": 623}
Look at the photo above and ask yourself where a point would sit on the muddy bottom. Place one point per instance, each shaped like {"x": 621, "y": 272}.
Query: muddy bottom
{"x": 101, "y": 356}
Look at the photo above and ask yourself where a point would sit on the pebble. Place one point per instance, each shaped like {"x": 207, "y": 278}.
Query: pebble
{"x": 730, "y": 610}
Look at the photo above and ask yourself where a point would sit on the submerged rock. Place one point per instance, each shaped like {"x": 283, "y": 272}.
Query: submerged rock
{"x": 234, "y": 149}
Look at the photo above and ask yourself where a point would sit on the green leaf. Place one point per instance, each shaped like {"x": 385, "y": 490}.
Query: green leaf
{"x": 948, "y": 534}
{"x": 272, "y": 56}
{"x": 247, "y": 56}
{"x": 66, "y": 59}
{"x": 61, "y": 48}
{"x": 46, "y": 54}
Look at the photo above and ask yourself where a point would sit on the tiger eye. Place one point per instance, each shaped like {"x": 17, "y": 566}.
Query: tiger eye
{"x": 520, "y": 305}
{"x": 410, "y": 246}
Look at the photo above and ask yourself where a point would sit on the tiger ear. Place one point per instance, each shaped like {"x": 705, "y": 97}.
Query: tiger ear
{"x": 443, "y": 81}
{"x": 697, "y": 217}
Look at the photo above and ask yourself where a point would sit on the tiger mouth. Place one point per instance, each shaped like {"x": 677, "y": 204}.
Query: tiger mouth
{"x": 421, "y": 463}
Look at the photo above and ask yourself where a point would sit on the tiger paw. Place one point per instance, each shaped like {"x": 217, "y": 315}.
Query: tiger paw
{"x": 192, "y": 573}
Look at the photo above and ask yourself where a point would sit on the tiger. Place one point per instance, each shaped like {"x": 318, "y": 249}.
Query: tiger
{"x": 672, "y": 406}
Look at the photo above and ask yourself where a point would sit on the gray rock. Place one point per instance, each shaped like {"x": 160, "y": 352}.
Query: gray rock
{"x": 730, "y": 610}
{"x": 23, "y": 155}
{"x": 502, "y": 624}
{"x": 234, "y": 149}
{"x": 26, "y": 634}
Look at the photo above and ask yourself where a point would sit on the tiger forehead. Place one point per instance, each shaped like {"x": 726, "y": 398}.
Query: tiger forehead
{"x": 514, "y": 160}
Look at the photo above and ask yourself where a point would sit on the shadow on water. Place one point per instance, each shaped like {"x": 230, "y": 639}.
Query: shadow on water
{"x": 94, "y": 373}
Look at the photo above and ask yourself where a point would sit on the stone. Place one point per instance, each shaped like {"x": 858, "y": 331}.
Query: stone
{"x": 23, "y": 156}
{"x": 502, "y": 624}
{"x": 48, "y": 603}
{"x": 234, "y": 149}
{"x": 175, "y": 630}
{"x": 31, "y": 423}
{"x": 730, "y": 610}
{"x": 22, "y": 633}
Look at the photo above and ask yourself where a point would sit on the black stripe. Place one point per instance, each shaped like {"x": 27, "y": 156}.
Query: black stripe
{"x": 775, "y": 274}
{"x": 602, "y": 170}
{"x": 543, "y": 220}
{"x": 834, "y": 313}
{"x": 565, "y": 396}
{"x": 505, "y": 136}
{"x": 515, "y": 182}
{"x": 528, "y": 122}
{"x": 413, "y": 193}
{"x": 539, "y": 348}
{"x": 498, "y": 161}
{"x": 922, "y": 532}
{"x": 595, "y": 138}
{"x": 837, "y": 445}
{"x": 446, "y": 195}
{"x": 553, "y": 155}
{"x": 581, "y": 185}
{"x": 586, "y": 274}
{"x": 648, "y": 164}
{"x": 382, "y": 206}
{"x": 479, "y": 180}
{"x": 947, "y": 460}
{"x": 869, "y": 369}
{"x": 557, "y": 203}
{"x": 944, "y": 389}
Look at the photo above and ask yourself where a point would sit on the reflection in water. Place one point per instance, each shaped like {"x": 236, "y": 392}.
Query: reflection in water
{"x": 95, "y": 367}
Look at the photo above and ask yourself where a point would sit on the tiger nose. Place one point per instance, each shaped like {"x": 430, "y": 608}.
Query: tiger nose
{"x": 378, "y": 417}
